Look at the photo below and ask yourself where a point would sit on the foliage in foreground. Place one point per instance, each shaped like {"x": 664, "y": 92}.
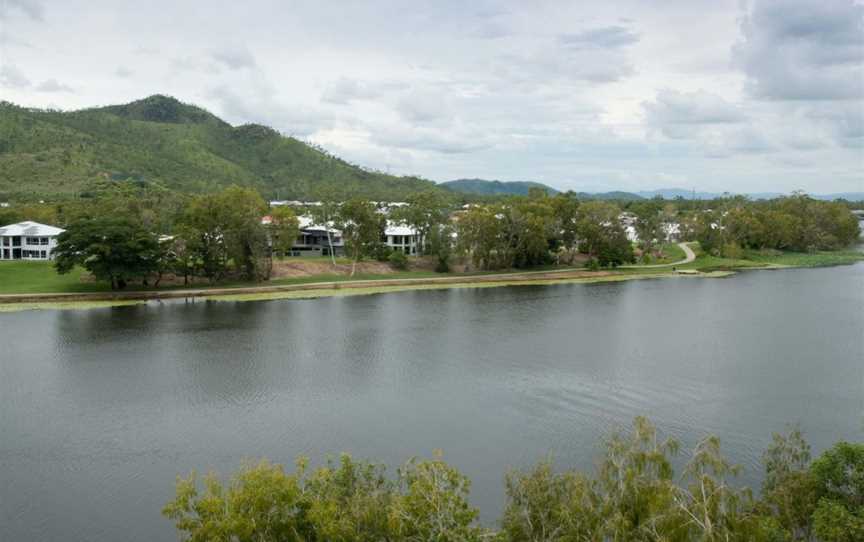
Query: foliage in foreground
{"x": 635, "y": 495}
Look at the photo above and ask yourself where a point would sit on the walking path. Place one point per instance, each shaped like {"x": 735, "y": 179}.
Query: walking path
{"x": 522, "y": 276}
{"x": 688, "y": 252}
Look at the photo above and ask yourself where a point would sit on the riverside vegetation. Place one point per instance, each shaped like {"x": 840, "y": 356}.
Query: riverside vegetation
{"x": 634, "y": 495}
{"x": 130, "y": 232}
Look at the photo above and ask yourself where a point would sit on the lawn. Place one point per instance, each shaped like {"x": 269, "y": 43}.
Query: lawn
{"x": 671, "y": 253}
{"x": 21, "y": 277}
{"x": 755, "y": 258}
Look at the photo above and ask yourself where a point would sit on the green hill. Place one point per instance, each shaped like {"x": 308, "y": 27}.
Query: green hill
{"x": 183, "y": 147}
{"x": 495, "y": 188}
{"x": 483, "y": 187}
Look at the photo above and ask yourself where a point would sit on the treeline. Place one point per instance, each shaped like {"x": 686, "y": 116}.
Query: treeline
{"x": 539, "y": 229}
{"x": 797, "y": 223}
{"x": 634, "y": 495}
{"x": 219, "y": 235}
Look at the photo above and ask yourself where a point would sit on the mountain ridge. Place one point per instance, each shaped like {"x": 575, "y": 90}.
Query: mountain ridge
{"x": 184, "y": 147}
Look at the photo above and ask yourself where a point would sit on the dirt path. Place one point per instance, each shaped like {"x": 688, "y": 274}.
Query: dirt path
{"x": 688, "y": 253}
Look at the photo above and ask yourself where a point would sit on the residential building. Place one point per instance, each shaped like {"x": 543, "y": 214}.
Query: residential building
{"x": 28, "y": 241}
{"x": 401, "y": 237}
{"x": 313, "y": 239}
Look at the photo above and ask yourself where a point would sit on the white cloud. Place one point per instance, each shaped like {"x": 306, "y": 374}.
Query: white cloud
{"x": 30, "y": 8}
{"x": 573, "y": 94}
{"x": 803, "y": 49}
{"x": 52, "y": 85}
{"x": 12, "y": 77}
{"x": 235, "y": 58}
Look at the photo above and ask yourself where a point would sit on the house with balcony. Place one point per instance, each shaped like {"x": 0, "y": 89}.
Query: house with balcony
{"x": 313, "y": 239}
{"x": 402, "y": 238}
{"x": 28, "y": 241}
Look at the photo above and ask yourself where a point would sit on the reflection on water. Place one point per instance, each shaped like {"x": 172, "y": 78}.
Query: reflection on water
{"x": 100, "y": 409}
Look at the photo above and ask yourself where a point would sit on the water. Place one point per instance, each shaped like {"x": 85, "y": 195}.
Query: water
{"x": 101, "y": 409}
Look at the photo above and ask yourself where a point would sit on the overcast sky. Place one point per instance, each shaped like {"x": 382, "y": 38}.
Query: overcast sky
{"x": 715, "y": 95}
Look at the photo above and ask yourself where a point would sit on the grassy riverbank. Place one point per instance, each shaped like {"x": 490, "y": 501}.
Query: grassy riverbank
{"x": 35, "y": 285}
{"x": 773, "y": 260}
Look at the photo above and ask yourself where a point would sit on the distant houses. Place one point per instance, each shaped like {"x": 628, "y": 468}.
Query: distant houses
{"x": 313, "y": 239}
{"x": 28, "y": 241}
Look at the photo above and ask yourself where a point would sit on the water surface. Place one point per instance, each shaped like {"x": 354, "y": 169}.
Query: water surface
{"x": 100, "y": 409}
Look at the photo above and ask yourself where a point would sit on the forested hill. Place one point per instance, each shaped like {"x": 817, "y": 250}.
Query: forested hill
{"x": 183, "y": 147}
{"x": 495, "y": 188}
{"x": 483, "y": 187}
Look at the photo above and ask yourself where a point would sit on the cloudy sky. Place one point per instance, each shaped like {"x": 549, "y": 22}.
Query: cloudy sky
{"x": 762, "y": 95}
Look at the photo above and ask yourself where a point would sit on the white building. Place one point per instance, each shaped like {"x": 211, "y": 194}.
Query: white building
{"x": 401, "y": 237}
{"x": 28, "y": 241}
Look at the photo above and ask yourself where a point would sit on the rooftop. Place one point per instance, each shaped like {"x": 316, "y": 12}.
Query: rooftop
{"x": 33, "y": 229}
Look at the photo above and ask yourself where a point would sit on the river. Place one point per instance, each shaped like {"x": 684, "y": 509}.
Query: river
{"x": 100, "y": 409}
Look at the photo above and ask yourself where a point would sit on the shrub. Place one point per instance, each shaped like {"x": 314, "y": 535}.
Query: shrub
{"x": 398, "y": 260}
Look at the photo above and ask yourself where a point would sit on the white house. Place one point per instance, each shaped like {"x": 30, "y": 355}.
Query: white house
{"x": 401, "y": 237}
{"x": 28, "y": 241}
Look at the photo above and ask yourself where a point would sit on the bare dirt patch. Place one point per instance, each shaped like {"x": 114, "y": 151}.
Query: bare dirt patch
{"x": 298, "y": 268}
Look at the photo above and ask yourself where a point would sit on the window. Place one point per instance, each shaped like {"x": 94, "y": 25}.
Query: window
{"x": 5, "y": 241}
{"x": 42, "y": 254}
{"x": 43, "y": 241}
{"x": 32, "y": 240}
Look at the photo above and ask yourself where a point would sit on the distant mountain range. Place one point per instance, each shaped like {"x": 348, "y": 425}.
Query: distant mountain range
{"x": 520, "y": 188}
{"x": 495, "y": 188}
{"x": 483, "y": 187}
{"x": 672, "y": 193}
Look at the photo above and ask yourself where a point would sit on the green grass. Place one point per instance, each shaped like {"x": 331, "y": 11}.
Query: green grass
{"x": 671, "y": 253}
{"x": 757, "y": 259}
{"x": 40, "y": 277}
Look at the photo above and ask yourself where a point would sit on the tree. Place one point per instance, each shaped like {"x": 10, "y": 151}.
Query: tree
{"x": 596, "y": 219}
{"x": 117, "y": 250}
{"x": 362, "y": 228}
{"x": 789, "y": 490}
{"x": 481, "y": 235}
{"x": 433, "y": 504}
{"x": 565, "y": 208}
{"x": 649, "y": 224}
{"x": 839, "y": 476}
{"x": 283, "y": 229}
{"x": 441, "y": 246}
{"x": 425, "y": 211}
{"x": 530, "y": 230}
{"x": 325, "y": 214}
{"x": 225, "y": 228}
{"x": 261, "y": 502}
{"x": 344, "y": 501}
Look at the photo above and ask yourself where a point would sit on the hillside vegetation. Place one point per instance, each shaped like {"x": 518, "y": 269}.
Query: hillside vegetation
{"x": 182, "y": 147}
{"x": 482, "y": 187}
{"x": 495, "y": 188}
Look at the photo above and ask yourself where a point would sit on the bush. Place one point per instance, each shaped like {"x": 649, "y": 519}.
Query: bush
{"x": 443, "y": 264}
{"x": 342, "y": 501}
{"x": 398, "y": 260}
{"x": 733, "y": 251}
{"x": 633, "y": 495}
{"x": 592, "y": 264}
{"x": 380, "y": 252}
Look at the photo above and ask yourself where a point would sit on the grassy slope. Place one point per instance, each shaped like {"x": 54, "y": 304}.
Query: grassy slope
{"x": 45, "y": 153}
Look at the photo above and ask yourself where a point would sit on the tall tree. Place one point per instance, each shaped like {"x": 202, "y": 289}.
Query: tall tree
{"x": 425, "y": 211}
{"x": 283, "y": 229}
{"x": 362, "y": 228}
{"x": 118, "y": 250}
